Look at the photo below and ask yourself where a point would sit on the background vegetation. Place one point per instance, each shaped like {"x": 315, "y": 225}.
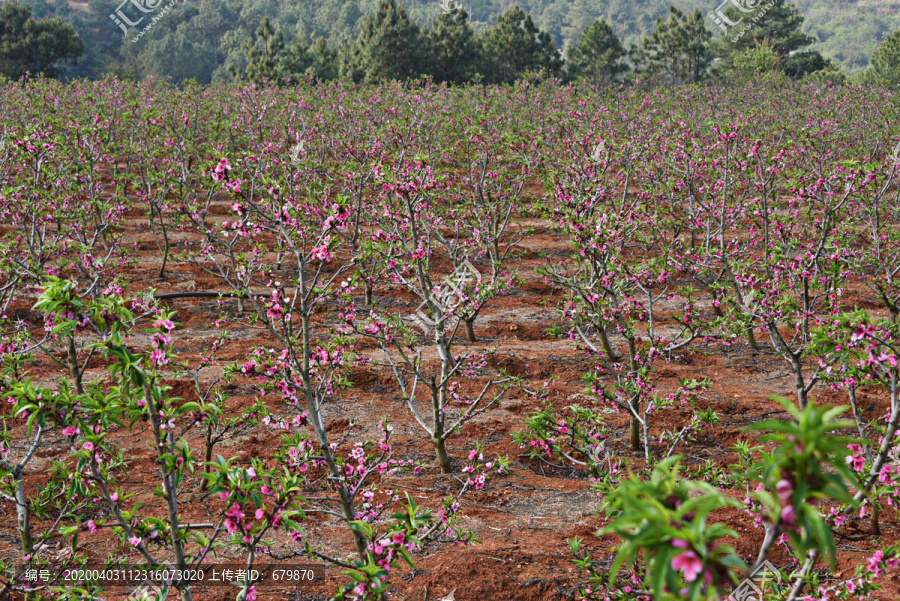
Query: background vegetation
{"x": 487, "y": 40}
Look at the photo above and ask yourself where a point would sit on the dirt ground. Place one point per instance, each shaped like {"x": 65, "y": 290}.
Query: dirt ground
{"x": 522, "y": 519}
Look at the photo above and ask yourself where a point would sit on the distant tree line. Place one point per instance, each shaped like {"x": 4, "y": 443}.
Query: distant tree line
{"x": 680, "y": 49}
{"x": 210, "y": 42}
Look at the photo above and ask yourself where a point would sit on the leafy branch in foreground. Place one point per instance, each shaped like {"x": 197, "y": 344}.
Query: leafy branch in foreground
{"x": 663, "y": 525}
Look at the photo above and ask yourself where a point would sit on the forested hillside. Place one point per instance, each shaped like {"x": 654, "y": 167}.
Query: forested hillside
{"x": 202, "y": 39}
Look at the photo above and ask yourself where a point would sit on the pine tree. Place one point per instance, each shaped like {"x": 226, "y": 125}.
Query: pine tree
{"x": 347, "y": 20}
{"x": 264, "y": 55}
{"x": 296, "y": 59}
{"x": 388, "y": 47}
{"x": 885, "y": 64}
{"x": 776, "y": 25}
{"x": 324, "y": 61}
{"x": 349, "y": 61}
{"x": 29, "y": 45}
{"x": 515, "y": 46}
{"x": 454, "y": 52}
{"x": 678, "y": 48}
{"x": 598, "y": 55}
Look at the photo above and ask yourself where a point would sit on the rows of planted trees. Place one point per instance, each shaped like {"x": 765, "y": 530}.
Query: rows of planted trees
{"x": 330, "y": 218}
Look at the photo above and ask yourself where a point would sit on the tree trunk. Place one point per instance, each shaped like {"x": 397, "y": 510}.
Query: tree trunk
{"x": 73, "y": 366}
{"x": 23, "y": 514}
{"x": 23, "y": 517}
{"x": 345, "y": 498}
{"x": 876, "y": 528}
{"x": 648, "y": 457}
{"x": 165, "y": 443}
{"x": 716, "y": 308}
{"x": 437, "y": 408}
{"x": 207, "y": 456}
{"x": 442, "y": 456}
{"x": 635, "y": 402}
{"x": 470, "y": 329}
{"x": 802, "y": 396}
{"x": 165, "y": 257}
{"x": 607, "y": 347}
{"x": 635, "y": 433}
{"x": 103, "y": 233}
{"x": 860, "y": 426}
{"x": 751, "y": 339}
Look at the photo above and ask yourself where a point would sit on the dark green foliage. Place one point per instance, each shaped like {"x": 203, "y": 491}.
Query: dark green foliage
{"x": 598, "y": 56}
{"x": 804, "y": 63}
{"x": 205, "y": 39}
{"x": 101, "y": 44}
{"x": 263, "y": 54}
{"x": 515, "y": 46}
{"x": 318, "y": 62}
{"x": 335, "y": 19}
{"x": 777, "y": 27}
{"x": 389, "y": 47}
{"x": 35, "y": 46}
{"x": 454, "y": 52}
{"x": 886, "y": 61}
{"x": 197, "y": 56}
{"x": 270, "y": 60}
{"x": 759, "y": 59}
{"x": 678, "y": 49}
{"x": 215, "y": 30}
{"x": 763, "y": 59}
